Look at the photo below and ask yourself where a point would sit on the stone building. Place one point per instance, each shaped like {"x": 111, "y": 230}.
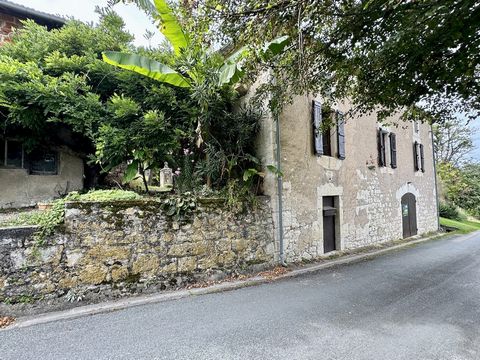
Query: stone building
{"x": 42, "y": 174}
{"x": 352, "y": 184}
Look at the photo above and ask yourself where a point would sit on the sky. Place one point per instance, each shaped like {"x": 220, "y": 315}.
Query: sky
{"x": 137, "y": 23}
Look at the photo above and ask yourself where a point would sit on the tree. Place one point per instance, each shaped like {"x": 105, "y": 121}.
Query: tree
{"x": 208, "y": 75}
{"x": 52, "y": 82}
{"x": 461, "y": 186}
{"x": 388, "y": 53}
{"x": 452, "y": 141}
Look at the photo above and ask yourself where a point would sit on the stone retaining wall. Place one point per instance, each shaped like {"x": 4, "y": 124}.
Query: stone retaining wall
{"x": 107, "y": 250}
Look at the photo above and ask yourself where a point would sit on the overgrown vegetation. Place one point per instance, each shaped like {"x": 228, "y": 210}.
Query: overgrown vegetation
{"x": 449, "y": 211}
{"x": 56, "y": 90}
{"x": 461, "y": 186}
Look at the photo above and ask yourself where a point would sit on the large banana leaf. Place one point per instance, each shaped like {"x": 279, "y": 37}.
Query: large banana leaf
{"x": 274, "y": 47}
{"x": 232, "y": 72}
{"x": 170, "y": 27}
{"x": 145, "y": 66}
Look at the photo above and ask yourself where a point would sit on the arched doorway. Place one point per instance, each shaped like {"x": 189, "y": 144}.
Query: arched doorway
{"x": 409, "y": 215}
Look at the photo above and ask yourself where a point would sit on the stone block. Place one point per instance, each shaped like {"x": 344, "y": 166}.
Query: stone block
{"x": 119, "y": 273}
{"x": 73, "y": 257}
{"x": 109, "y": 254}
{"x": 93, "y": 274}
{"x": 146, "y": 264}
{"x": 187, "y": 264}
{"x": 169, "y": 268}
{"x": 68, "y": 282}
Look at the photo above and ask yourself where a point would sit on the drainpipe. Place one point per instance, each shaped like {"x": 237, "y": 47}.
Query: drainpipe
{"x": 279, "y": 192}
{"x": 279, "y": 185}
{"x": 435, "y": 178}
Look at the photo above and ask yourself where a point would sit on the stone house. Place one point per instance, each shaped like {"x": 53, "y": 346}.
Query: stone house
{"x": 352, "y": 184}
{"x": 42, "y": 174}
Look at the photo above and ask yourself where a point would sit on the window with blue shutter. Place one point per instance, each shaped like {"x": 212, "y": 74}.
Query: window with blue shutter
{"x": 382, "y": 159}
{"x": 393, "y": 150}
{"x": 341, "y": 135}
{"x": 416, "y": 163}
{"x": 422, "y": 159}
{"x": 317, "y": 128}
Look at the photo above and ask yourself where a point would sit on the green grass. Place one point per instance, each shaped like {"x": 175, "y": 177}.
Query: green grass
{"x": 463, "y": 226}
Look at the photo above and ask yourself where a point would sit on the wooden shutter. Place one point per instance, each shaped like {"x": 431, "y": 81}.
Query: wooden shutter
{"x": 381, "y": 148}
{"x": 415, "y": 156}
{"x": 341, "y": 135}
{"x": 393, "y": 150}
{"x": 317, "y": 128}
{"x": 422, "y": 159}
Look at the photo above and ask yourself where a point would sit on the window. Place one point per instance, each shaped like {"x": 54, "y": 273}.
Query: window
{"x": 43, "y": 162}
{"x": 418, "y": 157}
{"x": 340, "y": 135}
{"x": 393, "y": 150}
{"x": 11, "y": 154}
{"x": 422, "y": 159}
{"x": 317, "y": 128}
{"x": 38, "y": 162}
{"x": 382, "y": 156}
{"x": 322, "y": 131}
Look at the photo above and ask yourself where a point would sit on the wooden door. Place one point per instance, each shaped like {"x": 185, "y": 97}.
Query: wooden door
{"x": 409, "y": 215}
{"x": 329, "y": 214}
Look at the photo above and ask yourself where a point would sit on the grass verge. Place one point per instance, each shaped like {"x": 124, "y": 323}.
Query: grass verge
{"x": 462, "y": 226}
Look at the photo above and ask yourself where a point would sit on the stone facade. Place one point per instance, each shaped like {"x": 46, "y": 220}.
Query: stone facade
{"x": 367, "y": 196}
{"x": 107, "y": 250}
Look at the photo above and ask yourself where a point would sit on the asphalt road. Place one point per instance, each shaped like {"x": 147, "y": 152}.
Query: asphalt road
{"x": 422, "y": 302}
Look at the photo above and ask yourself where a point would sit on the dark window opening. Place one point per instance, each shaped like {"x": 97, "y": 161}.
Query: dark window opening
{"x": 43, "y": 162}
{"x": 382, "y": 158}
{"x": 11, "y": 154}
{"x": 422, "y": 159}
{"x": 416, "y": 156}
{"x": 327, "y": 142}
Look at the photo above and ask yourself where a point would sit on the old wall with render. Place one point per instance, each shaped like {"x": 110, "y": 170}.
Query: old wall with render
{"x": 368, "y": 195}
{"x": 108, "y": 250}
{"x": 18, "y": 188}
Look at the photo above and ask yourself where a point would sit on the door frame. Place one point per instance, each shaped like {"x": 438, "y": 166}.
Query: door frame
{"x": 408, "y": 207}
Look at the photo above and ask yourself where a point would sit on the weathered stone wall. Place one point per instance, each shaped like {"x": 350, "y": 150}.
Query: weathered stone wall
{"x": 368, "y": 197}
{"x": 107, "y": 250}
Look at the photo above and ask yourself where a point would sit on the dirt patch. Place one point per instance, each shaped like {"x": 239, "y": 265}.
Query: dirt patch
{"x": 274, "y": 273}
{"x": 269, "y": 275}
{"x": 6, "y": 321}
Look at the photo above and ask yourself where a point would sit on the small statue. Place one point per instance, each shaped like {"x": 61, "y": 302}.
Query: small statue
{"x": 166, "y": 176}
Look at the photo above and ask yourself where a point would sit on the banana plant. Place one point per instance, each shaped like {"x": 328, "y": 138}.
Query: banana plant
{"x": 230, "y": 72}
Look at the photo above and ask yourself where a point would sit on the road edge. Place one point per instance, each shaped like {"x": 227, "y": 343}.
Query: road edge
{"x": 121, "y": 304}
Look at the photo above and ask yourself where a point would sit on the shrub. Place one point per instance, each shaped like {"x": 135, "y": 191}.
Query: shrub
{"x": 449, "y": 211}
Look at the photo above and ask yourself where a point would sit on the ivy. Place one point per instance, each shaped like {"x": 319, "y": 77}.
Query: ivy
{"x": 180, "y": 207}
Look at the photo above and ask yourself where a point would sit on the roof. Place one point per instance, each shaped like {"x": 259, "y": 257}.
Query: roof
{"x": 20, "y": 11}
